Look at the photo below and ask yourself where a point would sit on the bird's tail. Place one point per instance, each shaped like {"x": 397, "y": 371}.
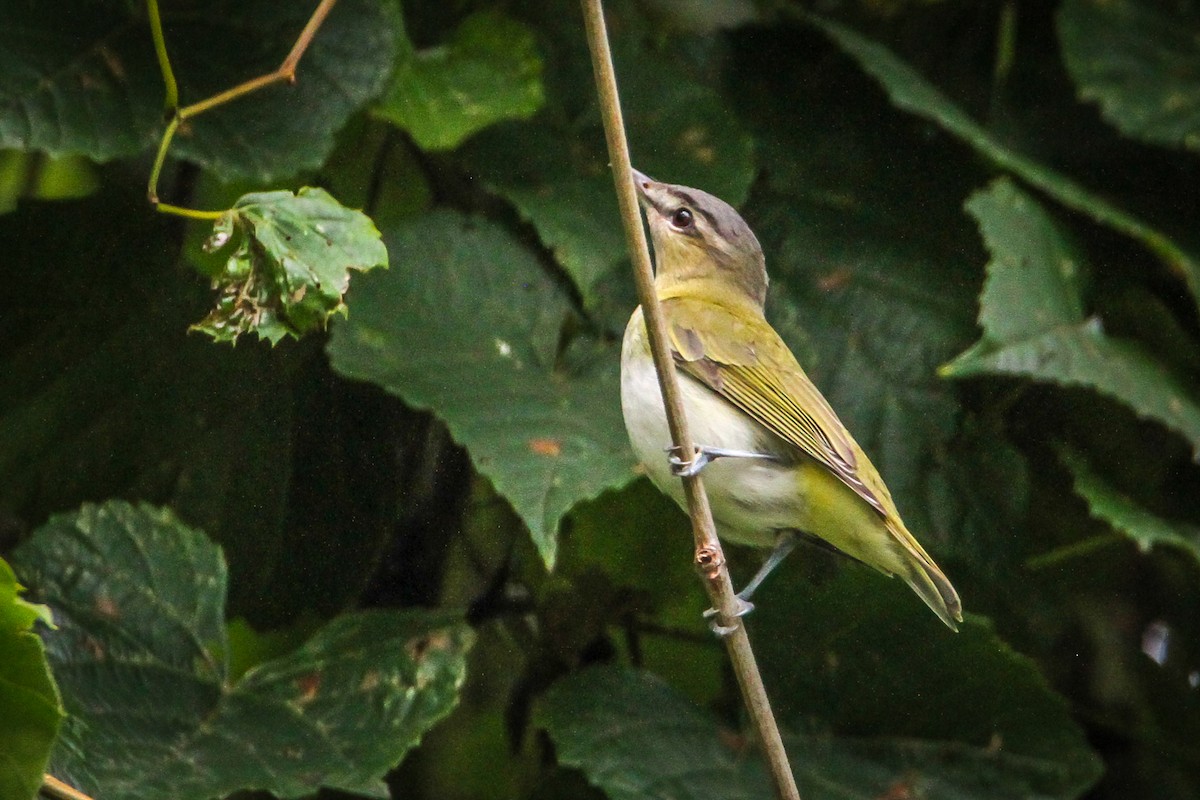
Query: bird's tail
{"x": 927, "y": 580}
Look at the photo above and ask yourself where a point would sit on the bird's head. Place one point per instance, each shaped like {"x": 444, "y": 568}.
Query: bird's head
{"x": 698, "y": 237}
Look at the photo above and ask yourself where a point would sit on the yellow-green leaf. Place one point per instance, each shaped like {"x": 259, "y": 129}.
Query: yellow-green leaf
{"x": 488, "y": 71}
{"x": 29, "y": 704}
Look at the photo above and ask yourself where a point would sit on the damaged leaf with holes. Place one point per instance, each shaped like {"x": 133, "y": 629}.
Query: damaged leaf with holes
{"x": 290, "y": 267}
{"x": 143, "y": 660}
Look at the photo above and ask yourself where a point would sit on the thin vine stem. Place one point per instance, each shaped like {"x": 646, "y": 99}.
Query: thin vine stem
{"x": 709, "y": 557}
{"x": 159, "y": 159}
{"x": 190, "y": 213}
{"x": 284, "y": 73}
{"x": 171, "y": 102}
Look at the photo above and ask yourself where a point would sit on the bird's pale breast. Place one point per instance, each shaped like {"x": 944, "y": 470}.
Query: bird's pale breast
{"x": 751, "y": 498}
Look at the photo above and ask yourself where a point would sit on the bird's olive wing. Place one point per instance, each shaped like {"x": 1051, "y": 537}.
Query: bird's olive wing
{"x": 749, "y": 365}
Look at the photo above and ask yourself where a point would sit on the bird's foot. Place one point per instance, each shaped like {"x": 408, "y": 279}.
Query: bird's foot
{"x": 744, "y": 608}
{"x": 687, "y": 467}
{"x": 783, "y": 545}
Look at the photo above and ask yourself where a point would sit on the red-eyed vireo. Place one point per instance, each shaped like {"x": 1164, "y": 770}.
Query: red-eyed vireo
{"x": 779, "y": 461}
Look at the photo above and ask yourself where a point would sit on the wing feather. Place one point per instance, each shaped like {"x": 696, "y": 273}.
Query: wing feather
{"x": 750, "y": 366}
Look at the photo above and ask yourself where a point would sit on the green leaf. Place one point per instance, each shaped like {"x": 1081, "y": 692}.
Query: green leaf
{"x": 636, "y": 544}
{"x": 29, "y": 701}
{"x": 635, "y": 737}
{"x": 862, "y": 655}
{"x": 88, "y": 83}
{"x": 488, "y": 71}
{"x": 980, "y": 490}
{"x": 1144, "y": 528}
{"x": 291, "y": 266}
{"x": 613, "y": 533}
{"x": 17, "y": 614}
{"x": 38, "y": 175}
{"x": 1140, "y": 61}
{"x": 886, "y": 767}
{"x": 141, "y": 657}
{"x": 555, "y": 168}
{"x": 471, "y": 328}
{"x": 909, "y": 91}
{"x": 1033, "y": 318}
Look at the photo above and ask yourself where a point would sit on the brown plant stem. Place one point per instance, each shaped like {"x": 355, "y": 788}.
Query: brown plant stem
{"x": 53, "y": 787}
{"x": 285, "y": 72}
{"x": 709, "y": 558}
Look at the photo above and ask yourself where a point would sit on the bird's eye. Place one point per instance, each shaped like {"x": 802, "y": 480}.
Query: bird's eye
{"x": 682, "y": 218}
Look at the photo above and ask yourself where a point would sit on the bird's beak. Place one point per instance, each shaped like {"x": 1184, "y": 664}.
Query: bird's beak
{"x": 642, "y": 183}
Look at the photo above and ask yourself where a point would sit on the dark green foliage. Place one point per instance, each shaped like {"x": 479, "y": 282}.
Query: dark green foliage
{"x": 635, "y": 737}
{"x": 977, "y": 218}
{"x": 1140, "y": 61}
{"x": 86, "y": 81}
{"x": 475, "y": 330}
{"x": 142, "y": 657}
{"x": 1033, "y": 321}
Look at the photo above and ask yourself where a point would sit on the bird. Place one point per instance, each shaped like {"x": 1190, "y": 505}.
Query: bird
{"x": 779, "y": 464}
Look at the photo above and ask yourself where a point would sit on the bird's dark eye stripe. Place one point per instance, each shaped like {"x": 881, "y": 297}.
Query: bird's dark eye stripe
{"x": 683, "y": 197}
{"x": 712, "y": 222}
{"x": 697, "y": 208}
{"x": 691, "y": 202}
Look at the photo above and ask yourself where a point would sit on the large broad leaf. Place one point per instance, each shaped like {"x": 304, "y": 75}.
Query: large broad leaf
{"x": 912, "y": 92}
{"x": 1127, "y": 516}
{"x": 141, "y": 656}
{"x": 291, "y": 263}
{"x": 886, "y": 767}
{"x": 555, "y": 168}
{"x": 29, "y": 702}
{"x": 634, "y": 737}
{"x": 637, "y": 739}
{"x": 488, "y": 71}
{"x": 87, "y": 82}
{"x": 1033, "y": 319}
{"x": 863, "y": 656}
{"x": 1140, "y": 59}
{"x": 470, "y": 326}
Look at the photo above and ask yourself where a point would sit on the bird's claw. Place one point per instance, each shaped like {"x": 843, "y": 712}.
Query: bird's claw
{"x": 687, "y": 467}
{"x": 744, "y": 608}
